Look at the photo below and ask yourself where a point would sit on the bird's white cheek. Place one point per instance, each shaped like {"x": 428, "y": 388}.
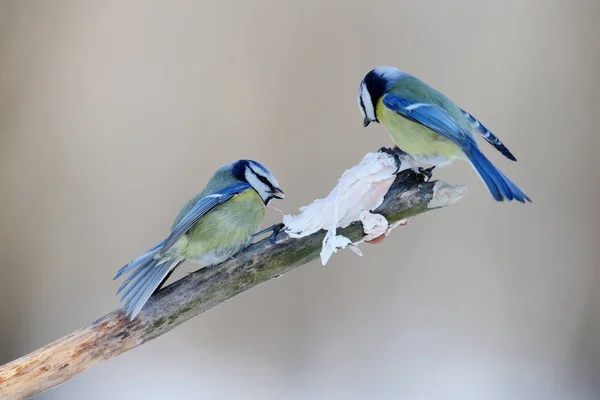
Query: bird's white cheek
{"x": 261, "y": 188}
{"x": 360, "y": 106}
{"x": 368, "y": 104}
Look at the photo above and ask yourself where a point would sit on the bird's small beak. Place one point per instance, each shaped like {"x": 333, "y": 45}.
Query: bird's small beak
{"x": 278, "y": 193}
{"x": 366, "y": 122}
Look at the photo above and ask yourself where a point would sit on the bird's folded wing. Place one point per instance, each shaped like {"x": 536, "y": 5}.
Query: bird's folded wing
{"x": 431, "y": 116}
{"x": 200, "y": 209}
{"x": 488, "y": 135}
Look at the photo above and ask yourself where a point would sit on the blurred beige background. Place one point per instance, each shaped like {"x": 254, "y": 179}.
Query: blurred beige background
{"x": 114, "y": 113}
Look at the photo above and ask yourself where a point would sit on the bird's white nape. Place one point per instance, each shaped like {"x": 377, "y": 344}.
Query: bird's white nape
{"x": 388, "y": 73}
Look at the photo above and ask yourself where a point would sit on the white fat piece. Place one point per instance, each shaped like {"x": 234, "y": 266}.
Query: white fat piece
{"x": 263, "y": 190}
{"x": 366, "y": 107}
{"x": 359, "y": 190}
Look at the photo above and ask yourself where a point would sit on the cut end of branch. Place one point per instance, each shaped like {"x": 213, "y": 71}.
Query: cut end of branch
{"x": 445, "y": 195}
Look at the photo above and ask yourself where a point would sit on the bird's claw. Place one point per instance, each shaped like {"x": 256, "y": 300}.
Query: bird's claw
{"x": 427, "y": 173}
{"x": 276, "y": 229}
{"x": 396, "y": 153}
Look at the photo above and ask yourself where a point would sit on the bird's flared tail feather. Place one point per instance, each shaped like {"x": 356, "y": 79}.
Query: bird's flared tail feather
{"x": 147, "y": 274}
{"x": 497, "y": 183}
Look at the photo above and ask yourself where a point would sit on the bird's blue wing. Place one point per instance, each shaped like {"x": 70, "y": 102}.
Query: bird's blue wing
{"x": 438, "y": 120}
{"x": 200, "y": 209}
{"x": 488, "y": 135}
{"x": 431, "y": 116}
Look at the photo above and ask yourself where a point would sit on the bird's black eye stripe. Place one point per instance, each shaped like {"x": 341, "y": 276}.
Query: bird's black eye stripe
{"x": 264, "y": 180}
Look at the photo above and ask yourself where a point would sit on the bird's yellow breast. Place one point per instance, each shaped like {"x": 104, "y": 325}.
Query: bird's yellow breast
{"x": 226, "y": 228}
{"x": 419, "y": 142}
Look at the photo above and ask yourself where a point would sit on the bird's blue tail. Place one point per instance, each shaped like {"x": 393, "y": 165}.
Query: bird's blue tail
{"x": 497, "y": 183}
{"x": 147, "y": 275}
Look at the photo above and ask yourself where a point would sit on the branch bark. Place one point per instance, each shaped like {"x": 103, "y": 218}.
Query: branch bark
{"x": 114, "y": 334}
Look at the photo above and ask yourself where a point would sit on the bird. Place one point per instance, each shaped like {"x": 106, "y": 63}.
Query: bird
{"x": 211, "y": 227}
{"x": 431, "y": 128}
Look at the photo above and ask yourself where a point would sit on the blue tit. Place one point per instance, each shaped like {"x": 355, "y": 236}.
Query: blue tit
{"x": 213, "y": 226}
{"x": 431, "y": 128}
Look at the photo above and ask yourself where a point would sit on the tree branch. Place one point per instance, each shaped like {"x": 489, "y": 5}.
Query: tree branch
{"x": 114, "y": 334}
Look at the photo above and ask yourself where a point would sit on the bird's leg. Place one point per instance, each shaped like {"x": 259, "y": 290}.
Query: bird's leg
{"x": 274, "y": 228}
{"x": 269, "y": 229}
{"x": 427, "y": 172}
{"x": 396, "y": 153}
